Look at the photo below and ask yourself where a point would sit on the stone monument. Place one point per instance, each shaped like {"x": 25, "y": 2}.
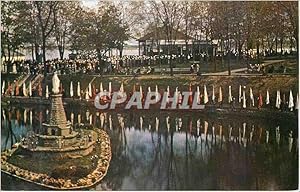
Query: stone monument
{"x": 57, "y": 137}
{"x": 58, "y": 157}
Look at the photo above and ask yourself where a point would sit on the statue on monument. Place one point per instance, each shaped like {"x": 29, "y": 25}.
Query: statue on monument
{"x": 55, "y": 83}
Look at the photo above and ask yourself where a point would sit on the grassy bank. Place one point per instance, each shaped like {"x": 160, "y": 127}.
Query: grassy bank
{"x": 258, "y": 83}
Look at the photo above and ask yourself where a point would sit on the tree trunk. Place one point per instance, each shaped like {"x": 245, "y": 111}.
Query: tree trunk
{"x": 214, "y": 59}
{"x": 36, "y": 47}
{"x": 44, "y": 55}
{"x": 32, "y": 52}
{"x": 99, "y": 56}
{"x": 121, "y": 54}
{"x": 222, "y": 53}
{"x": 44, "y": 48}
{"x": 9, "y": 54}
{"x": 237, "y": 51}
{"x": 158, "y": 49}
{"x": 276, "y": 45}
{"x": 257, "y": 51}
{"x": 170, "y": 60}
{"x": 281, "y": 47}
{"x": 61, "y": 52}
{"x": 186, "y": 51}
{"x": 229, "y": 55}
{"x": 206, "y": 48}
{"x": 297, "y": 50}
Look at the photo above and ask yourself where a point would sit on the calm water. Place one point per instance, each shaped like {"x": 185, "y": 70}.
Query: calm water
{"x": 155, "y": 150}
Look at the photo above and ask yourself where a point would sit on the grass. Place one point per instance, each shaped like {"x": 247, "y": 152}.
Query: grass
{"x": 258, "y": 83}
{"x": 204, "y": 67}
{"x": 9, "y": 77}
{"x": 290, "y": 65}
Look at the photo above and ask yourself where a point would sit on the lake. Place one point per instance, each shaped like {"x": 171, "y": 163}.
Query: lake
{"x": 171, "y": 150}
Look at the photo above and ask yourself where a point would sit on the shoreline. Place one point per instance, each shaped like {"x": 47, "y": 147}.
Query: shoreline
{"x": 208, "y": 108}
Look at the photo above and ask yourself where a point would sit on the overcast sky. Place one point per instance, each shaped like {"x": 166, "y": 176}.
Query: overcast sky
{"x": 89, "y": 3}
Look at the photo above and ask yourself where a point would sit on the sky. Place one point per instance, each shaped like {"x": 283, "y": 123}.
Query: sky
{"x": 89, "y": 3}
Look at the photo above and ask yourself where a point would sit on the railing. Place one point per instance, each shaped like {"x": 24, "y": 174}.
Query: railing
{"x": 38, "y": 78}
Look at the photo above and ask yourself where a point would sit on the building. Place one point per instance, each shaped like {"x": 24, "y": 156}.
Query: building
{"x": 156, "y": 43}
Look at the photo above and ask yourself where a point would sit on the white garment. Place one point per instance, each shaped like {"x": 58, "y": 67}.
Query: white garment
{"x": 205, "y": 95}
{"x": 251, "y": 97}
{"x": 220, "y": 99}
{"x": 278, "y": 100}
{"x": 101, "y": 88}
{"x": 47, "y": 92}
{"x": 268, "y": 98}
{"x": 240, "y": 94}
{"x": 78, "y": 90}
{"x": 213, "y": 94}
{"x": 291, "y": 101}
{"x": 229, "y": 94}
{"x": 244, "y": 99}
{"x": 30, "y": 89}
{"x": 71, "y": 89}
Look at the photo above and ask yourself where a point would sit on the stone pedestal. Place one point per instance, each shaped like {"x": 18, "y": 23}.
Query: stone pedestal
{"x": 58, "y": 138}
{"x": 58, "y": 116}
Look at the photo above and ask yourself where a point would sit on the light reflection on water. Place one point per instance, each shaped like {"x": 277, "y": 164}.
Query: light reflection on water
{"x": 163, "y": 150}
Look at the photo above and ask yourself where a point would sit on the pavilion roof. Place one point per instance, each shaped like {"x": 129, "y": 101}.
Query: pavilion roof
{"x": 159, "y": 34}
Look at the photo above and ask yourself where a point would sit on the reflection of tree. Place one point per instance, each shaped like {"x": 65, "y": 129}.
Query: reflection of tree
{"x": 171, "y": 164}
{"x": 181, "y": 160}
{"x": 10, "y": 135}
{"x": 156, "y": 162}
{"x": 120, "y": 164}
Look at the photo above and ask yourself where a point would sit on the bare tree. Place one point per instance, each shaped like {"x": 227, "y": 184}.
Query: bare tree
{"x": 45, "y": 16}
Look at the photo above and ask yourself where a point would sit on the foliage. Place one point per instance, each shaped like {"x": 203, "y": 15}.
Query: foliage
{"x": 99, "y": 30}
{"x": 238, "y": 26}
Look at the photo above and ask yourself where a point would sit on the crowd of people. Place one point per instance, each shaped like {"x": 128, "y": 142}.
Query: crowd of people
{"x": 127, "y": 64}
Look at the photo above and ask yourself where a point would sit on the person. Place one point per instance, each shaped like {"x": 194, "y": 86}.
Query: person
{"x": 262, "y": 69}
{"x": 260, "y": 100}
{"x": 232, "y": 103}
{"x": 281, "y": 68}
{"x": 198, "y": 70}
{"x": 271, "y": 69}
{"x": 192, "y": 68}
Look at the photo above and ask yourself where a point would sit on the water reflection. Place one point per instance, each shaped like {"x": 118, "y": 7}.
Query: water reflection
{"x": 163, "y": 150}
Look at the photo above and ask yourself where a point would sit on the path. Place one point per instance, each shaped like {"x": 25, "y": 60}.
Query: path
{"x": 186, "y": 71}
{"x": 240, "y": 70}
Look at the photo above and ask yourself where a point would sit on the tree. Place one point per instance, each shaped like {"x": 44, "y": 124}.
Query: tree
{"x": 170, "y": 15}
{"x": 98, "y": 31}
{"x": 62, "y": 23}
{"x": 222, "y": 23}
{"x": 200, "y": 20}
{"x": 11, "y": 35}
{"x": 45, "y": 17}
{"x": 290, "y": 11}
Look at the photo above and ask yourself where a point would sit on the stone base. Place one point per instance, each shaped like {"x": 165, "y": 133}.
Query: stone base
{"x": 48, "y": 153}
{"x": 51, "y": 147}
{"x": 55, "y": 141}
